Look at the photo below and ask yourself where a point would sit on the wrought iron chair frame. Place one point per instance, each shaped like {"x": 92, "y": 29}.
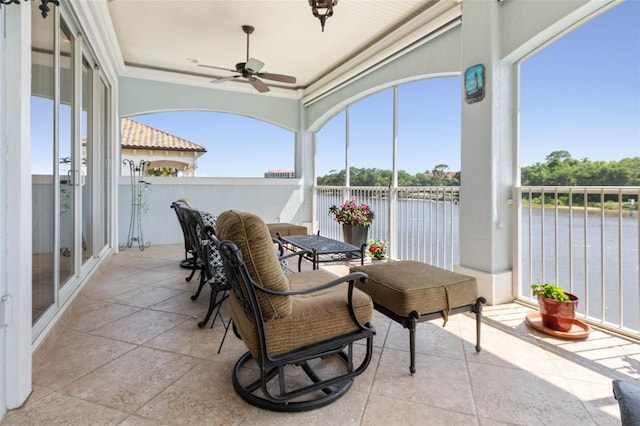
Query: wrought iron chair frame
{"x": 244, "y": 289}
{"x": 202, "y": 234}
{"x": 190, "y": 261}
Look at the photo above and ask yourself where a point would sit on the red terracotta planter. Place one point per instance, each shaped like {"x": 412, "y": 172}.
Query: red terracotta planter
{"x": 558, "y": 315}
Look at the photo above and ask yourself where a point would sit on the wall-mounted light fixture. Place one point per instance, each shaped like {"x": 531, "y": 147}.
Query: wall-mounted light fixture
{"x": 44, "y": 5}
{"x": 322, "y": 9}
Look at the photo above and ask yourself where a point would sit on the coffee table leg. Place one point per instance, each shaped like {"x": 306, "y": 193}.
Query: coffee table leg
{"x": 413, "y": 322}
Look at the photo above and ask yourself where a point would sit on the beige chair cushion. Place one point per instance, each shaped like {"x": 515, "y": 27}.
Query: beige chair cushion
{"x": 252, "y": 237}
{"x": 315, "y": 317}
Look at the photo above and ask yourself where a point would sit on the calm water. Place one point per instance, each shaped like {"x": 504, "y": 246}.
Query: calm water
{"x": 599, "y": 265}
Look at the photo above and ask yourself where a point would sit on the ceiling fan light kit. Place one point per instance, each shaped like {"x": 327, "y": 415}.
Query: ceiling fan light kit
{"x": 250, "y": 70}
{"x": 322, "y": 9}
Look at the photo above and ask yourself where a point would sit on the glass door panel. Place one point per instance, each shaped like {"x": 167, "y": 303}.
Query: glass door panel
{"x": 66, "y": 163}
{"x": 42, "y": 165}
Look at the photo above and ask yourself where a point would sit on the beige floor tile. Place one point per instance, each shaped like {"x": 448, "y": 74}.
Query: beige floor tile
{"x": 188, "y": 339}
{"x": 74, "y": 355}
{"x": 149, "y": 364}
{"x": 599, "y": 401}
{"x": 429, "y": 385}
{"x": 364, "y": 382}
{"x": 131, "y": 380}
{"x": 516, "y": 396}
{"x": 181, "y": 303}
{"x": 431, "y": 338}
{"x": 388, "y": 411}
{"x": 179, "y": 281}
{"x": 90, "y": 314}
{"x": 503, "y": 349}
{"x": 58, "y": 409}
{"x": 37, "y": 393}
{"x": 146, "y": 296}
{"x": 153, "y": 276}
{"x": 108, "y": 289}
{"x": 141, "y": 326}
{"x": 348, "y": 410}
{"x": 204, "y": 395}
{"x": 141, "y": 421}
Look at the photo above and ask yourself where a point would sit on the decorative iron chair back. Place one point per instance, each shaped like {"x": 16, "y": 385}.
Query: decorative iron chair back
{"x": 201, "y": 231}
{"x": 182, "y": 209}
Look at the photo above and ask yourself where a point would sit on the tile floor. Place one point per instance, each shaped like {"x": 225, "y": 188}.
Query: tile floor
{"x": 128, "y": 352}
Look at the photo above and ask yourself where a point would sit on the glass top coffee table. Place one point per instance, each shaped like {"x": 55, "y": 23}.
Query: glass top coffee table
{"x": 323, "y": 249}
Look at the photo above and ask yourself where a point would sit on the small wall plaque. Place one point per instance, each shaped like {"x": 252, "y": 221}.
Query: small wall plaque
{"x": 474, "y": 83}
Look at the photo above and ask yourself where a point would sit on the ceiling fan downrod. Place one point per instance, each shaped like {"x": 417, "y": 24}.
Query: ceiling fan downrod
{"x": 248, "y": 30}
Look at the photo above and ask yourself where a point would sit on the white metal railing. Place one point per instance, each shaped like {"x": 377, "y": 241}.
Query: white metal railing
{"x": 592, "y": 252}
{"x": 586, "y": 240}
{"x": 419, "y": 223}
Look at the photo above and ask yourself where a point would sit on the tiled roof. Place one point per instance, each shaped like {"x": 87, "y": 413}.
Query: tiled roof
{"x": 134, "y": 135}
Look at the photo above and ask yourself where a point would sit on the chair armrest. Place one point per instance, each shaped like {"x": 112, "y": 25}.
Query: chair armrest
{"x": 347, "y": 278}
{"x": 350, "y": 279}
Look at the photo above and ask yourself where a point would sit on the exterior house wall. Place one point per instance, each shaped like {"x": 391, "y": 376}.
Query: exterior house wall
{"x": 274, "y": 200}
{"x": 185, "y": 161}
{"x": 15, "y": 210}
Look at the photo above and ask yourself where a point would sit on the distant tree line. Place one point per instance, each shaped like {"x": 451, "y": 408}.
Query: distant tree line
{"x": 439, "y": 176}
{"x": 559, "y": 169}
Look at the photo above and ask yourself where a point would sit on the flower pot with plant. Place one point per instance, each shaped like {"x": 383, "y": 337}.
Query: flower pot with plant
{"x": 558, "y": 308}
{"x": 377, "y": 249}
{"x": 355, "y": 219}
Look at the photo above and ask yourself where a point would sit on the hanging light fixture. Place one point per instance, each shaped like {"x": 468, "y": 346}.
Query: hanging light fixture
{"x": 44, "y": 7}
{"x": 322, "y": 9}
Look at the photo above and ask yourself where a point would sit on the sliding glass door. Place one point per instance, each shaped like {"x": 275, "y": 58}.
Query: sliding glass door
{"x": 70, "y": 174}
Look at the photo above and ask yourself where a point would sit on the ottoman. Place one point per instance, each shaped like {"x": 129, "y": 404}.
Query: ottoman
{"x": 410, "y": 292}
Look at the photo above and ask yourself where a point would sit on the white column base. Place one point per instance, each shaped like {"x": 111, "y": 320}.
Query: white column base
{"x": 496, "y": 288}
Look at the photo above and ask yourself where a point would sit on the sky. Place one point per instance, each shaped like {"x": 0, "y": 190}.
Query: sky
{"x": 580, "y": 94}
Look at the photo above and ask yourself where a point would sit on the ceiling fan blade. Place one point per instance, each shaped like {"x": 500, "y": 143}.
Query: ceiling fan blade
{"x": 258, "y": 84}
{"x": 254, "y": 65}
{"x": 277, "y": 77}
{"x": 216, "y": 68}
{"x": 222, "y": 80}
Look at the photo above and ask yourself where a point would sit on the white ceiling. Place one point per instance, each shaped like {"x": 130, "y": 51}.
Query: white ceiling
{"x": 176, "y": 35}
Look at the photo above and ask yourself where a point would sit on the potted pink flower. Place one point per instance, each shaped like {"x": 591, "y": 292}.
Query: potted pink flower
{"x": 355, "y": 219}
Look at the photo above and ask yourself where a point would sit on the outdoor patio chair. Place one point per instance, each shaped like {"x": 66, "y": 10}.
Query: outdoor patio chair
{"x": 628, "y": 395}
{"x": 307, "y": 319}
{"x": 182, "y": 207}
{"x": 200, "y": 227}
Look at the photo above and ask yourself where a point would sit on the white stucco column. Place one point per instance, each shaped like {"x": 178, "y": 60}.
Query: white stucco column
{"x": 15, "y": 202}
{"x": 487, "y": 157}
{"x": 305, "y": 169}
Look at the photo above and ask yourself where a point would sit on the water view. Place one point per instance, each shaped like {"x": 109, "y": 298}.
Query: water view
{"x": 594, "y": 256}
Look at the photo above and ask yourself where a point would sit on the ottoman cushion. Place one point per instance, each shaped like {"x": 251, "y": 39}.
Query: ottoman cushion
{"x": 405, "y": 286}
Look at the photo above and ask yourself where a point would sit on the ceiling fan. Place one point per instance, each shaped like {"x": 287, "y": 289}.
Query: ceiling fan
{"x": 251, "y": 70}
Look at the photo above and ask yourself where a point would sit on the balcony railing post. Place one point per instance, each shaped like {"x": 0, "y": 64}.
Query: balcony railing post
{"x": 392, "y": 224}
